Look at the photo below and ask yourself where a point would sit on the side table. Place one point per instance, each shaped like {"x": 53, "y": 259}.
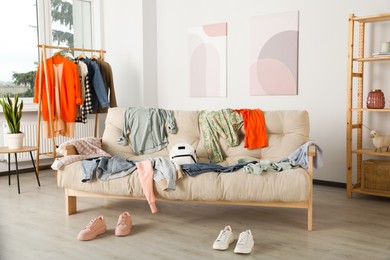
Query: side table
{"x": 24, "y": 149}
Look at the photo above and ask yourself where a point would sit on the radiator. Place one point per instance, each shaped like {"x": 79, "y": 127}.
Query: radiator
{"x": 30, "y": 129}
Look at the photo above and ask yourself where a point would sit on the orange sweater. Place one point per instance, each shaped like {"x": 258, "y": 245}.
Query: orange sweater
{"x": 255, "y": 128}
{"x": 70, "y": 91}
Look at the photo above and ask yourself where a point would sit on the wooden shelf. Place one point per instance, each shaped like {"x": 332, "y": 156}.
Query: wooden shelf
{"x": 356, "y": 92}
{"x": 370, "y": 152}
{"x": 371, "y": 110}
{"x": 371, "y": 192}
{"x": 372, "y": 59}
{"x": 373, "y": 18}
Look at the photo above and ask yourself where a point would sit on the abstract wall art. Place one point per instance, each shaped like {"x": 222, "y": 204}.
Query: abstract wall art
{"x": 207, "y": 60}
{"x": 274, "y": 54}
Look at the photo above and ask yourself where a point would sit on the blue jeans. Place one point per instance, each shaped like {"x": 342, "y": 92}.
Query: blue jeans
{"x": 107, "y": 168}
{"x": 194, "y": 169}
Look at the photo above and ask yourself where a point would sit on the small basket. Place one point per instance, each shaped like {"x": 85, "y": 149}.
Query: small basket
{"x": 376, "y": 99}
{"x": 376, "y": 175}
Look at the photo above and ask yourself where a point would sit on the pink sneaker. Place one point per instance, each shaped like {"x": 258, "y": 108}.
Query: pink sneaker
{"x": 95, "y": 227}
{"x": 123, "y": 227}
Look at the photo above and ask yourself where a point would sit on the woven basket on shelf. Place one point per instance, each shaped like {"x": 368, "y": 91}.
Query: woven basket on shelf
{"x": 376, "y": 175}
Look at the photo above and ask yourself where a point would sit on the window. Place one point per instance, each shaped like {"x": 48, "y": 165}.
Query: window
{"x": 71, "y": 23}
{"x": 18, "y": 47}
{"x": 67, "y": 23}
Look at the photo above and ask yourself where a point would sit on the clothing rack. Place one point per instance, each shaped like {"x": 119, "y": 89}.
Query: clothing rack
{"x": 42, "y": 59}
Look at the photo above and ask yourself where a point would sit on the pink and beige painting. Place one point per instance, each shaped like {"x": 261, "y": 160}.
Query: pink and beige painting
{"x": 207, "y": 58}
{"x": 274, "y": 54}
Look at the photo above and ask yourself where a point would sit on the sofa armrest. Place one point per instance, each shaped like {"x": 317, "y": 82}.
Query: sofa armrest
{"x": 312, "y": 150}
{"x": 69, "y": 150}
{"x": 311, "y": 153}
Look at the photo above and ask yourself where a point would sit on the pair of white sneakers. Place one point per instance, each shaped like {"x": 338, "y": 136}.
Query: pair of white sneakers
{"x": 244, "y": 244}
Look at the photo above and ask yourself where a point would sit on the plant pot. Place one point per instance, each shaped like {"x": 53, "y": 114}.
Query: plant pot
{"x": 15, "y": 141}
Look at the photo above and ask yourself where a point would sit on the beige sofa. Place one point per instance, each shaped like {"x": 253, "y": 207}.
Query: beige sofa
{"x": 287, "y": 131}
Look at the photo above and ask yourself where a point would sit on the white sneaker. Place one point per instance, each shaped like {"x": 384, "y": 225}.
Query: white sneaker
{"x": 224, "y": 239}
{"x": 245, "y": 243}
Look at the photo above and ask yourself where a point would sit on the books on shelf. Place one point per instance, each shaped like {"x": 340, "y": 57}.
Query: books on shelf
{"x": 381, "y": 54}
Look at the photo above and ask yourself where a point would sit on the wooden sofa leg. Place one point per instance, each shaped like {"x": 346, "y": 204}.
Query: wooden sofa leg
{"x": 310, "y": 213}
{"x": 70, "y": 204}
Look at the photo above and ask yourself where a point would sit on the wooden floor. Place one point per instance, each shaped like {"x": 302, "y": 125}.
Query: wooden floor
{"x": 33, "y": 226}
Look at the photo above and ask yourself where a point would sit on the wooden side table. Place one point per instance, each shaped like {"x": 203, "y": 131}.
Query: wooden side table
{"x": 24, "y": 149}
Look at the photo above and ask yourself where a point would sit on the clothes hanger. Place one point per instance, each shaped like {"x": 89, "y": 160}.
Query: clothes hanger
{"x": 82, "y": 56}
{"x": 69, "y": 55}
{"x": 58, "y": 54}
{"x": 94, "y": 57}
{"x": 57, "y": 58}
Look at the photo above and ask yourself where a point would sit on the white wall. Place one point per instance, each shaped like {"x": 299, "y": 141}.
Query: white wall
{"x": 122, "y": 34}
{"x": 149, "y": 94}
{"x": 323, "y": 36}
{"x": 129, "y": 36}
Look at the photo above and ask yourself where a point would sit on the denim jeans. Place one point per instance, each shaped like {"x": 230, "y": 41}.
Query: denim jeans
{"x": 107, "y": 168}
{"x": 194, "y": 169}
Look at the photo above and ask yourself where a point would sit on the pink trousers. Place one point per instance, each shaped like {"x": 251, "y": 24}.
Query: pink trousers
{"x": 145, "y": 175}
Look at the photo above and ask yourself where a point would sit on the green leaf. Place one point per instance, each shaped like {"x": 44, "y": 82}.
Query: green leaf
{"x": 13, "y": 112}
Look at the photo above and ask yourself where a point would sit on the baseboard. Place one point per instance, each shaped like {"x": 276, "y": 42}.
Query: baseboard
{"x": 330, "y": 184}
{"x": 25, "y": 170}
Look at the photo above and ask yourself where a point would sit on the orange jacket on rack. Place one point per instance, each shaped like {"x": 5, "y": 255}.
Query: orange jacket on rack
{"x": 70, "y": 91}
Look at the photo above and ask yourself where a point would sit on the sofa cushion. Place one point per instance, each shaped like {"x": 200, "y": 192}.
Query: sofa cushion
{"x": 286, "y": 130}
{"x": 112, "y": 131}
{"x": 289, "y": 185}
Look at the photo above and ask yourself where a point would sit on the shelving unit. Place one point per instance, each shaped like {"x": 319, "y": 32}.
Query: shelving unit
{"x": 355, "y": 92}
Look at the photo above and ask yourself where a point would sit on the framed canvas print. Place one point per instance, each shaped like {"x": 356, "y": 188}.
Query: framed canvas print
{"x": 207, "y": 60}
{"x": 274, "y": 54}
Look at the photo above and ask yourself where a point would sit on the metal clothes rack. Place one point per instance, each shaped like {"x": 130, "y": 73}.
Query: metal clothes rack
{"x": 42, "y": 62}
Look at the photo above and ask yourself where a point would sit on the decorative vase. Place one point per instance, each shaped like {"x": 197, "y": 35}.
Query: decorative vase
{"x": 376, "y": 99}
{"x": 15, "y": 141}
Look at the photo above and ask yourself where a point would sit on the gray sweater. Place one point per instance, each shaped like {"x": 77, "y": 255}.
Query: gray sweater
{"x": 146, "y": 127}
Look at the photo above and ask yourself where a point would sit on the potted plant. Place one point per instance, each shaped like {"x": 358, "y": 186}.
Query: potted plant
{"x": 13, "y": 112}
